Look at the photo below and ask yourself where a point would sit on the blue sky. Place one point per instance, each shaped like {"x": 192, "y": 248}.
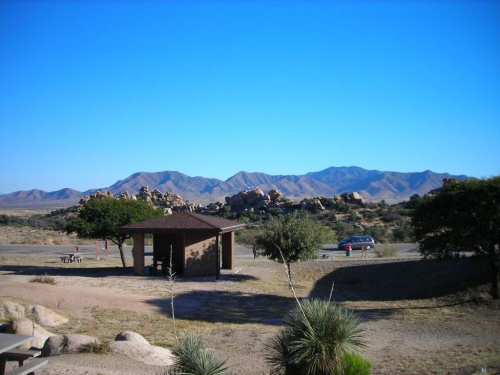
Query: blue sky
{"x": 93, "y": 91}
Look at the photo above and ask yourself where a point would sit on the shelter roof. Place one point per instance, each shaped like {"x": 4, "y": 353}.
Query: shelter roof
{"x": 183, "y": 221}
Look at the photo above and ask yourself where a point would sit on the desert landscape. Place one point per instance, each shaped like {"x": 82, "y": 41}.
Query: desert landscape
{"x": 419, "y": 316}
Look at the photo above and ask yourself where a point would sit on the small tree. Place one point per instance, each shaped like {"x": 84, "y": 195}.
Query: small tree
{"x": 462, "y": 216}
{"x": 103, "y": 218}
{"x": 292, "y": 238}
{"x": 250, "y": 238}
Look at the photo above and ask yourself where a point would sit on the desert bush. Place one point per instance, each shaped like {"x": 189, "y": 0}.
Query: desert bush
{"x": 403, "y": 232}
{"x": 194, "y": 359}
{"x": 316, "y": 336}
{"x": 343, "y": 230}
{"x": 343, "y": 207}
{"x": 387, "y": 252}
{"x": 353, "y": 217}
{"x": 96, "y": 348}
{"x": 43, "y": 279}
{"x": 369, "y": 215}
{"x": 377, "y": 232}
{"x": 354, "y": 364}
{"x": 390, "y": 216}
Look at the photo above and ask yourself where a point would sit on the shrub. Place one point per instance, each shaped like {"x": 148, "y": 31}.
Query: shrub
{"x": 194, "y": 359}
{"x": 315, "y": 338}
{"x": 354, "y": 364}
{"x": 96, "y": 348}
{"x": 378, "y": 233}
{"x": 403, "y": 232}
{"x": 43, "y": 279}
{"x": 369, "y": 215}
{"x": 388, "y": 252}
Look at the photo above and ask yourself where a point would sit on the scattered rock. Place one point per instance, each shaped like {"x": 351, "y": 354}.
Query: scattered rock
{"x": 70, "y": 343}
{"x": 76, "y": 343}
{"x": 11, "y": 310}
{"x": 136, "y": 347}
{"x": 48, "y": 317}
{"x": 131, "y": 336}
{"x": 24, "y": 326}
{"x": 54, "y": 345}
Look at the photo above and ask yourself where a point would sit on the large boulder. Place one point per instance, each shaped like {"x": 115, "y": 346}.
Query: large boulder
{"x": 71, "y": 343}
{"x": 24, "y": 326}
{"x": 237, "y": 201}
{"x": 48, "y": 318}
{"x": 254, "y": 196}
{"x": 76, "y": 343}
{"x": 356, "y": 197}
{"x": 136, "y": 347}
{"x": 275, "y": 195}
{"x": 54, "y": 345}
{"x": 11, "y": 310}
{"x": 131, "y": 336}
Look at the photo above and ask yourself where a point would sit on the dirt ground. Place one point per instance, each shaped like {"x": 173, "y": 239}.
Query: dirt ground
{"x": 420, "y": 317}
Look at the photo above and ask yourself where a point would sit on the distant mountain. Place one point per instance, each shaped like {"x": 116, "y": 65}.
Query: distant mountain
{"x": 371, "y": 184}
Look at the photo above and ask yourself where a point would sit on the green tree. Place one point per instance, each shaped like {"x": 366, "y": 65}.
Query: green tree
{"x": 103, "y": 218}
{"x": 462, "y": 216}
{"x": 293, "y": 237}
{"x": 315, "y": 339}
{"x": 250, "y": 238}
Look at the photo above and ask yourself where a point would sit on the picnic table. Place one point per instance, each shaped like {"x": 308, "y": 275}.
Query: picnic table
{"x": 73, "y": 257}
{"x": 8, "y": 343}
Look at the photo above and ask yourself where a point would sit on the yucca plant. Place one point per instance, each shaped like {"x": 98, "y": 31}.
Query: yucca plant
{"x": 194, "y": 359}
{"x": 316, "y": 336}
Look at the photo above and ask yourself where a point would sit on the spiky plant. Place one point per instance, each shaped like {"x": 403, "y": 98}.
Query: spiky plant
{"x": 194, "y": 359}
{"x": 315, "y": 339}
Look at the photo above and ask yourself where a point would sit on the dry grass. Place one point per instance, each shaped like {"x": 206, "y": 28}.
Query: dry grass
{"x": 44, "y": 279}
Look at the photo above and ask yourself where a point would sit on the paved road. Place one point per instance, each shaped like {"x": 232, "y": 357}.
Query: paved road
{"x": 241, "y": 252}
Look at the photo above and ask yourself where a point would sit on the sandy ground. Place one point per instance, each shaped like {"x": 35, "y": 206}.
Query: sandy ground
{"x": 412, "y": 327}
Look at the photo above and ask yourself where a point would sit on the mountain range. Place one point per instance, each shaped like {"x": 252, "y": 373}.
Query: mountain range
{"x": 373, "y": 185}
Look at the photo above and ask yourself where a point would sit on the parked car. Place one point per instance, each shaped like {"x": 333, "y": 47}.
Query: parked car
{"x": 357, "y": 242}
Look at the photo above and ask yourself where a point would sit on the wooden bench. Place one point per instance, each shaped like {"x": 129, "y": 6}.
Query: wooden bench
{"x": 29, "y": 368}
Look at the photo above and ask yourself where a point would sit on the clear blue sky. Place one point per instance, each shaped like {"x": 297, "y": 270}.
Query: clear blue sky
{"x": 93, "y": 91}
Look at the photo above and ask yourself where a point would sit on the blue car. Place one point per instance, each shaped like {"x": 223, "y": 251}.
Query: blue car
{"x": 357, "y": 242}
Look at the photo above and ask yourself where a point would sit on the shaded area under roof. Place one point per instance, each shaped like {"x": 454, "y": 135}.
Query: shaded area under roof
{"x": 183, "y": 221}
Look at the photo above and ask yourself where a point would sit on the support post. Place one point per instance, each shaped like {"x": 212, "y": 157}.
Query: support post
{"x": 217, "y": 269}
{"x": 228, "y": 251}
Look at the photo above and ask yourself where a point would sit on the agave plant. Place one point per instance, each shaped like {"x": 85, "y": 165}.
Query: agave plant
{"x": 316, "y": 336}
{"x": 194, "y": 359}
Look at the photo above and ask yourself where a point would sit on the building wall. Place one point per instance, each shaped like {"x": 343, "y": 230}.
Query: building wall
{"x": 200, "y": 255}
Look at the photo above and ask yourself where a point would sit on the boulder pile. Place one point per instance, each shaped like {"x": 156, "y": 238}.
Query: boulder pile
{"x": 255, "y": 199}
{"x": 247, "y": 200}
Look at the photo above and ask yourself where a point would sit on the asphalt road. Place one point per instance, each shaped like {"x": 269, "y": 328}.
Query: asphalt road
{"x": 241, "y": 252}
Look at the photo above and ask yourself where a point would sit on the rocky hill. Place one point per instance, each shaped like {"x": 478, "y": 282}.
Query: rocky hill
{"x": 371, "y": 184}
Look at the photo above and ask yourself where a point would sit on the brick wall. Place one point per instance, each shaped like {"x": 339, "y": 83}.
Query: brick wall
{"x": 200, "y": 255}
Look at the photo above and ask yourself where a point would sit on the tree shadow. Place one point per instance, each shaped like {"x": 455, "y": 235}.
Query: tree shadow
{"x": 60, "y": 271}
{"x": 227, "y": 307}
{"x": 403, "y": 280}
